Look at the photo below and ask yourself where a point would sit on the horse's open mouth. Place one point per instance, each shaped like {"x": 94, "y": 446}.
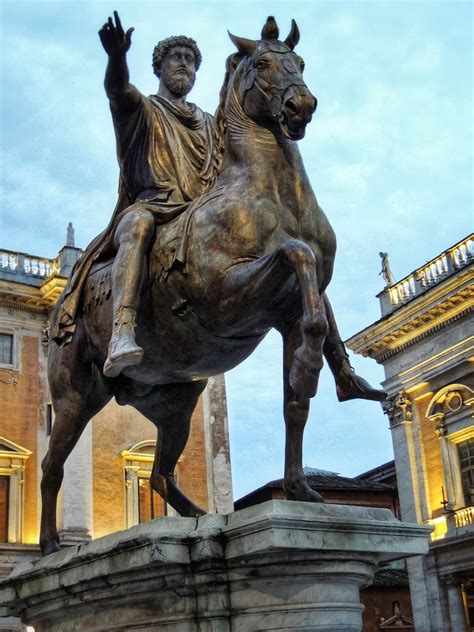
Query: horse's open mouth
{"x": 291, "y": 131}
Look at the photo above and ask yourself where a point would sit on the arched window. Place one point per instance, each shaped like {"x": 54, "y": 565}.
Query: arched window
{"x": 142, "y": 503}
{"x": 451, "y": 411}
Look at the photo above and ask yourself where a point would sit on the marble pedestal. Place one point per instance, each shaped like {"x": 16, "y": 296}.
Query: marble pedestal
{"x": 276, "y": 566}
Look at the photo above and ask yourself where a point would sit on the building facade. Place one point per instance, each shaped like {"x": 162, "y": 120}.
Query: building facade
{"x": 106, "y": 481}
{"x": 424, "y": 340}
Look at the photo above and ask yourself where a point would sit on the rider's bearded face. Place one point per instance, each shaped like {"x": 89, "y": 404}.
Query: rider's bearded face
{"x": 178, "y": 70}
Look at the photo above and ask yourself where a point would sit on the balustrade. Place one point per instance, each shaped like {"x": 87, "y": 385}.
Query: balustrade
{"x": 430, "y": 274}
{"x": 29, "y": 265}
{"x": 464, "y": 517}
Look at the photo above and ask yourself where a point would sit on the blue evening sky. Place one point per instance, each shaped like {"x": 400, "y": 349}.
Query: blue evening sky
{"x": 389, "y": 154}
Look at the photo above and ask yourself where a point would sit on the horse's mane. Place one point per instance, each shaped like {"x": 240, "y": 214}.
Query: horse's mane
{"x": 270, "y": 32}
{"x": 220, "y": 121}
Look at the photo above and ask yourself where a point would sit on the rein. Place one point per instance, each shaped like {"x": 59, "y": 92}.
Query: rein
{"x": 276, "y": 95}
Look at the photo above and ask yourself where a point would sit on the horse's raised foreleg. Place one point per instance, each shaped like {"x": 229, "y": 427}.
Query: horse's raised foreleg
{"x": 170, "y": 408}
{"x": 279, "y": 288}
{"x": 78, "y": 393}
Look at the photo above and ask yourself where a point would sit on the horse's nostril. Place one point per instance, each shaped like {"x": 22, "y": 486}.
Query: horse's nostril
{"x": 291, "y": 107}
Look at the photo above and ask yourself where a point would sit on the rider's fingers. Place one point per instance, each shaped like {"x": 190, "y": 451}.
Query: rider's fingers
{"x": 110, "y": 24}
{"x": 118, "y": 23}
{"x": 128, "y": 36}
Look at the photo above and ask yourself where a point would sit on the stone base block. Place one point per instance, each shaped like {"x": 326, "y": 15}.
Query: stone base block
{"x": 277, "y": 566}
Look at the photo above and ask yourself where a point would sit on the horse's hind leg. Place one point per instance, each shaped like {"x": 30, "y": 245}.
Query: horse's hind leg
{"x": 78, "y": 393}
{"x": 170, "y": 408}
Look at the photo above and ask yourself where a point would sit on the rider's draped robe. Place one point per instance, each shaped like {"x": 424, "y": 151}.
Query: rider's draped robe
{"x": 165, "y": 153}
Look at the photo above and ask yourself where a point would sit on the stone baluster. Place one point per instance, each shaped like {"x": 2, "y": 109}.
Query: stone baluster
{"x": 20, "y": 264}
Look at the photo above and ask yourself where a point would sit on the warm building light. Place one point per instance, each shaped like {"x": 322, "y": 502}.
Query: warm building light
{"x": 440, "y": 527}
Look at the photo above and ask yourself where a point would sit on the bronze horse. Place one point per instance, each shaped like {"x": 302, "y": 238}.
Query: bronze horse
{"x": 259, "y": 255}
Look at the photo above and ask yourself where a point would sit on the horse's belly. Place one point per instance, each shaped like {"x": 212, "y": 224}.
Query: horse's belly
{"x": 177, "y": 346}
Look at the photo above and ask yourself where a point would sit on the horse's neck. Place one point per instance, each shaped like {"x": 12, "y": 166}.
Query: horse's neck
{"x": 258, "y": 153}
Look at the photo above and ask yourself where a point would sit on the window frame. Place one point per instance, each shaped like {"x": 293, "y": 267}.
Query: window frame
{"x": 13, "y": 464}
{"x": 453, "y": 441}
{"x": 14, "y": 365}
{"x": 138, "y": 463}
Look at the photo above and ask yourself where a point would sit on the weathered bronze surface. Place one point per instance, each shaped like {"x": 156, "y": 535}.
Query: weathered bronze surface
{"x": 217, "y": 238}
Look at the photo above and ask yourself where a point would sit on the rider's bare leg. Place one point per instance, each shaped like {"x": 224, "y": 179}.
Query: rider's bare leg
{"x": 132, "y": 238}
{"x": 349, "y": 385}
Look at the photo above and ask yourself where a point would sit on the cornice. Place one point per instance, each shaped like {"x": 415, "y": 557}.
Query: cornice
{"x": 19, "y": 304}
{"x": 431, "y": 312}
{"x": 30, "y": 298}
{"x": 424, "y": 334}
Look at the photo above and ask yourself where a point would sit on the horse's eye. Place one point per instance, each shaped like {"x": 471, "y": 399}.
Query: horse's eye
{"x": 260, "y": 65}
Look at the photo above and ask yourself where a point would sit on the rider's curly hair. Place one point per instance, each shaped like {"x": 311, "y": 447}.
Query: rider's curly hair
{"x": 176, "y": 40}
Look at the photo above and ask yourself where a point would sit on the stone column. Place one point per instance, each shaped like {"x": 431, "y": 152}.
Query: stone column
{"x": 399, "y": 411}
{"x": 398, "y": 408}
{"x": 77, "y": 492}
{"x": 457, "y": 610}
{"x": 216, "y": 432}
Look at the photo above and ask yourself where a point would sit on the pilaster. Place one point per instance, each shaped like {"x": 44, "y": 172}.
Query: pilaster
{"x": 456, "y": 602}
{"x": 216, "y": 433}
{"x": 77, "y": 492}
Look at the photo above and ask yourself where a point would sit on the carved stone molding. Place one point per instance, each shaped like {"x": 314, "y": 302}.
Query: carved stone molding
{"x": 398, "y": 408}
{"x": 449, "y": 401}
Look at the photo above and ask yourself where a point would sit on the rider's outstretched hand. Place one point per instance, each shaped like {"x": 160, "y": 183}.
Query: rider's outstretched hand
{"x": 113, "y": 37}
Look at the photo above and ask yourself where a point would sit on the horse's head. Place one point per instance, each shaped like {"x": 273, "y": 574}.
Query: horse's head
{"x": 269, "y": 83}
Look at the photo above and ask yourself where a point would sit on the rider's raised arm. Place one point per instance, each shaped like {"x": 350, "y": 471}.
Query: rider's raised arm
{"x": 121, "y": 93}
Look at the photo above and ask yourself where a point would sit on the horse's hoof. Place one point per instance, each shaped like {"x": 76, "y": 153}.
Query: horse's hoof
{"x": 193, "y": 511}
{"x": 303, "y": 381}
{"x": 302, "y": 491}
{"x": 50, "y": 546}
{"x": 349, "y": 385}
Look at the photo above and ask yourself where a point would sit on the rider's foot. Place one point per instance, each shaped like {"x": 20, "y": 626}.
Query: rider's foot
{"x": 123, "y": 352}
{"x": 349, "y": 385}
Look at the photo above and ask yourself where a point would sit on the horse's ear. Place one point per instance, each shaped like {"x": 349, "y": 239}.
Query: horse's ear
{"x": 294, "y": 36}
{"x": 270, "y": 29}
{"x": 232, "y": 62}
{"x": 244, "y": 46}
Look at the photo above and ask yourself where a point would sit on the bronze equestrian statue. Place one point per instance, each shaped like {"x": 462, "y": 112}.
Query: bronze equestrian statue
{"x": 253, "y": 252}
